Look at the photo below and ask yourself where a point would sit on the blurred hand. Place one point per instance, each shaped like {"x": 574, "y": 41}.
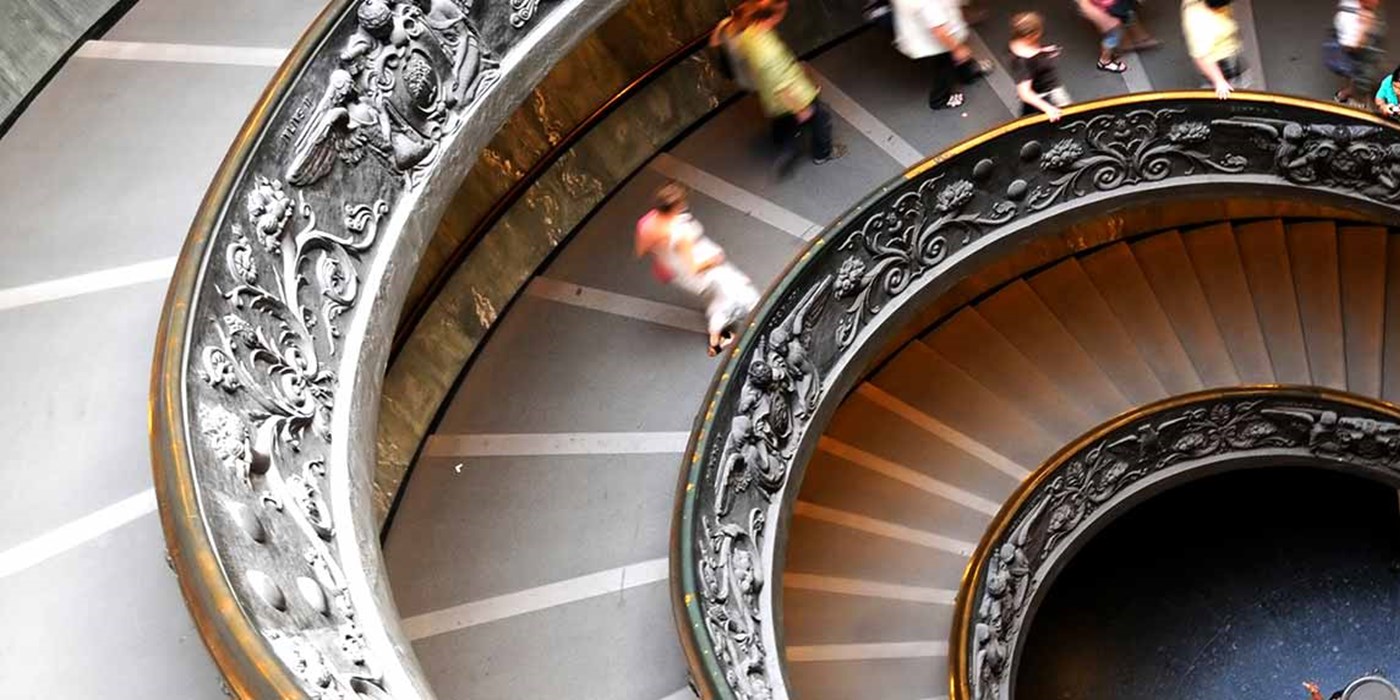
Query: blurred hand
{"x": 1223, "y": 90}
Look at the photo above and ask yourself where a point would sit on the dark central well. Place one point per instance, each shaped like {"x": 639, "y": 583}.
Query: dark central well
{"x": 1242, "y": 585}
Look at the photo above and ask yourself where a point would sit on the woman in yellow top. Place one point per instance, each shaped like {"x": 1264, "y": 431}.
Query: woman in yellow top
{"x": 1213, "y": 40}
{"x": 785, "y": 92}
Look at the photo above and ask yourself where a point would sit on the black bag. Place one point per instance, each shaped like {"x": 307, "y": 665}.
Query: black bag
{"x": 1232, "y": 67}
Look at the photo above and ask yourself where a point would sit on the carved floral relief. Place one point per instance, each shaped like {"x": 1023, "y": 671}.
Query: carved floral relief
{"x": 854, "y": 274}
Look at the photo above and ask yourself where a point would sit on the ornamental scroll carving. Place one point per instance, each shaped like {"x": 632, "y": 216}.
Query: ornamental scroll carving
{"x": 270, "y": 356}
{"x": 403, "y": 76}
{"x": 1090, "y": 481}
{"x": 835, "y": 300}
{"x": 366, "y": 122}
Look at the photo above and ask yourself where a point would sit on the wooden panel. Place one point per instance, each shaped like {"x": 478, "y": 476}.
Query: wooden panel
{"x": 1216, "y": 260}
{"x": 1264, "y": 255}
{"x": 926, "y": 380}
{"x": 1067, "y": 292}
{"x": 1312, "y": 252}
{"x": 1168, "y": 270}
{"x": 1361, "y": 255}
{"x": 1119, "y": 280}
{"x": 969, "y": 342}
{"x": 1390, "y": 373}
{"x": 1022, "y": 318}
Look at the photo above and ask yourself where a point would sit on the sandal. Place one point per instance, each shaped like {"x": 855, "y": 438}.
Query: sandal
{"x": 955, "y": 101}
{"x": 1114, "y": 66}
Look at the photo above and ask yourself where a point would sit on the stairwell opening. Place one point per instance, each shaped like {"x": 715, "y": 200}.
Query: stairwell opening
{"x": 1240, "y": 585}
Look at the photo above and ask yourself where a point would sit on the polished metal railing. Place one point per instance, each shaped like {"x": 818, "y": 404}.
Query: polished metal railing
{"x": 278, "y": 322}
{"x": 1104, "y": 473}
{"x": 842, "y": 302}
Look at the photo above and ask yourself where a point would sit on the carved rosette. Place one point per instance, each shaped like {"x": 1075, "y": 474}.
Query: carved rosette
{"x": 1090, "y": 482}
{"x": 368, "y": 119}
{"x": 835, "y": 300}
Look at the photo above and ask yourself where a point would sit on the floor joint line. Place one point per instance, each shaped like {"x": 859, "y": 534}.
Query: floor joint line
{"x": 182, "y": 53}
{"x": 734, "y": 196}
{"x": 75, "y": 533}
{"x": 536, "y": 599}
{"x": 86, "y": 283}
{"x": 943, "y": 431}
{"x": 881, "y": 528}
{"x": 616, "y": 304}
{"x": 866, "y": 652}
{"x": 553, "y": 444}
{"x": 907, "y": 475}
{"x": 866, "y": 123}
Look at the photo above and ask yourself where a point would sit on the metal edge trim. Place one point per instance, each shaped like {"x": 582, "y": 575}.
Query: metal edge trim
{"x": 249, "y": 666}
{"x": 972, "y": 574}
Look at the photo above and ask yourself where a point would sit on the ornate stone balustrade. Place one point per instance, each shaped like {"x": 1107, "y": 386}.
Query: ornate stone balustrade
{"x": 860, "y": 283}
{"x": 1065, "y": 502}
{"x": 276, "y": 329}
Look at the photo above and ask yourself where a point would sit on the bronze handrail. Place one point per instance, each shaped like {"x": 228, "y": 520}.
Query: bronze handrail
{"x": 269, "y": 352}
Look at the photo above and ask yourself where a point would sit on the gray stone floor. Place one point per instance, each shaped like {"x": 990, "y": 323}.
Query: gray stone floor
{"x": 106, "y": 169}
{"x": 557, "y": 368}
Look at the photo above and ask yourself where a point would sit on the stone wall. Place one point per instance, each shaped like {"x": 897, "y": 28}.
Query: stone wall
{"x": 34, "y": 36}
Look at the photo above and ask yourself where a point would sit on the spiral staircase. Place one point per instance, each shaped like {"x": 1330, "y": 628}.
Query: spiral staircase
{"x": 923, "y": 454}
{"x": 528, "y": 552}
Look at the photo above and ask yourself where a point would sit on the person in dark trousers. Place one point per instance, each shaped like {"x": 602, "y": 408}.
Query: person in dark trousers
{"x": 786, "y": 93}
{"x": 934, "y": 33}
{"x": 1353, "y": 49}
{"x": 1033, "y": 67}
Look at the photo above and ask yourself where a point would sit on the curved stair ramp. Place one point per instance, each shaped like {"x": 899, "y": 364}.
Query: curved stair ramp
{"x": 821, "y": 550}
{"x": 265, "y": 390}
{"x": 921, "y": 457}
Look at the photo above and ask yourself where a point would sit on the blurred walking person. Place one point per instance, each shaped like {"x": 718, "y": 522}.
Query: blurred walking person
{"x": 1353, "y": 49}
{"x": 786, "y": 93}
{"x": 1213, "y": 40}
{"x": 684, "y": 257}
{"x": 724, "y": 42}
{"x": 1033, "y": 67}
{"x": 934, "y": 33}
{"x": 1121, "y": 28}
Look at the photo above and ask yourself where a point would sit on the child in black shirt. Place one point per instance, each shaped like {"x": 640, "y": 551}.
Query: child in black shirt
{"x": 1033, "y": 68}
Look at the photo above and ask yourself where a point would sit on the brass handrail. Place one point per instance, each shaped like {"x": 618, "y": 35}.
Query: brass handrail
{"x": 273, "y": 336}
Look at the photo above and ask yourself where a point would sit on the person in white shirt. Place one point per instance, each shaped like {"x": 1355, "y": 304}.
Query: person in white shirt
{"x": 1353, "y": 51}
{"x": 934, "y": 32}
{"x": 684, "y": 257}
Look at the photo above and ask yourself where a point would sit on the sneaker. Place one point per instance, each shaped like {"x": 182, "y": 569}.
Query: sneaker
{"x": 838, "y": 151}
